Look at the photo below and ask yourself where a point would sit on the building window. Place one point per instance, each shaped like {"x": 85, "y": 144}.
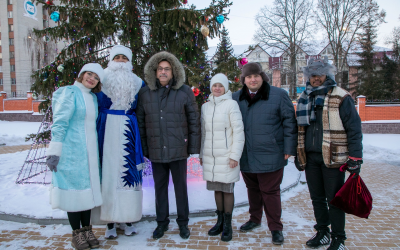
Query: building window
{"x": 1, "y": 81}
{"x": 11, "y": 41}
{"x": 12, "y": 68}
{"x": 9, "y": 14}
{"x": 14, "y": 94}
{"x": 10, "y": 28}
{"x": 13, "y": 81}
{"x": 12, "y": 54}
{"x": 9, "y": 2}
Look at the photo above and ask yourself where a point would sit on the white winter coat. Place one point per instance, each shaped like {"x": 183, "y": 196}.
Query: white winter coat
{"x": 222, "y": 138}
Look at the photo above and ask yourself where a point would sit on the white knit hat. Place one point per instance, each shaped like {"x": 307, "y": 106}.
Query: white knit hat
{"x": 93, "y": 67}
{"x": 220, "y": 78}
{"x": 121, "y": 50}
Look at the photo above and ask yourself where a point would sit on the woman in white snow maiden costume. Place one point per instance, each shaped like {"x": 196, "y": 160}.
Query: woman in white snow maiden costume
{"x": 222, "y": 141}
{"x": 73, "y": 154}
{"x": 119, "y": 144}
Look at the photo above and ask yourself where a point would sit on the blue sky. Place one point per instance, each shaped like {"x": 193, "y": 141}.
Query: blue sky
{"x": 242, "y": 27}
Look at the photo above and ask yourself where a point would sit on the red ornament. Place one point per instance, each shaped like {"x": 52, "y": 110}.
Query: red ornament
{"x": 49, "y": 2}
{"x": 236, "y": 79}
{"x": 184, "y": 1}
{"x": 196, "y": 91}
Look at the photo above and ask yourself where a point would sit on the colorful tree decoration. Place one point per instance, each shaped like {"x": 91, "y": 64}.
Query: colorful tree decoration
{"x": 196, "y": 91}
{"x": 204, "y": 30}
{"x": 185, "y": 1}
{"x": 243, "y": 61}
{"x": 55, "y": 16}
{"x": 60, "y": 68}
{"x": 220, "y": 19}
{"x": 236, "y": 79}
{"x": 49, "y": 2}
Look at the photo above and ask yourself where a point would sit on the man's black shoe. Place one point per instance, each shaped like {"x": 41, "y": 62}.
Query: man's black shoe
{"x": 277, "y": 237}
{"x": 159, "y": 232}
{"x": 337, "y": 243}
{"x": 322, "y": 237}
{"x": 184, "y": 231}
{"x": 248, "y": 226}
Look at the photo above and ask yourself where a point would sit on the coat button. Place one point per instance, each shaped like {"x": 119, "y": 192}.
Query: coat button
{"x": 165, "y": 146}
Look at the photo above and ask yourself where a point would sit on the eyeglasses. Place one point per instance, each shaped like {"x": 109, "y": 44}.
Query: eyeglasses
{"x": 165, "y": 69}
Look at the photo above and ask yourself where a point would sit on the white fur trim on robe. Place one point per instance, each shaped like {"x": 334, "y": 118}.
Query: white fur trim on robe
{"x": 55, "y": 148}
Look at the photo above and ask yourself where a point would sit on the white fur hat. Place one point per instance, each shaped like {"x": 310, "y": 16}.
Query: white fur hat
{"x": 121, "y": 50}
{"x": 95, "y": 68}
{"x": 220, "y": 78}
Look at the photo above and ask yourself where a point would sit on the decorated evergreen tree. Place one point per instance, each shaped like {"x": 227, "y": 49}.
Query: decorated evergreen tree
{"x": 226, "y": 62}
{"x": 90, "y": 27}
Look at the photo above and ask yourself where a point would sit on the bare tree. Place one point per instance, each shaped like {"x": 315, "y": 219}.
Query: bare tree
{"x": 285, "y": 26}
{"x": 343, "y": 20}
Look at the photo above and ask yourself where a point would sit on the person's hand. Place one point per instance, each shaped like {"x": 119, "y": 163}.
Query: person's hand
{"x": 233, "y": 163}
{"x": 52, "y": 162}
{"x": 201, "y": 161}
{"x": 287, "y": 156}
{"x": 354, "y": 166}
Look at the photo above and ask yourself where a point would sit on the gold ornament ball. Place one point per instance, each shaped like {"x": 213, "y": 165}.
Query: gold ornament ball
{"x": 204, "y": 30}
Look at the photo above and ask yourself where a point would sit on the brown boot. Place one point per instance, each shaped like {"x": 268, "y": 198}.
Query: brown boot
{"x": 79, "y": 240}
{"x": 90, "y": 238}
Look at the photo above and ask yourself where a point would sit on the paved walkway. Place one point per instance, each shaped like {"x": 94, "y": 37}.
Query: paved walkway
{"x": 380, "y": 231}
{"x": 13, "y": 149}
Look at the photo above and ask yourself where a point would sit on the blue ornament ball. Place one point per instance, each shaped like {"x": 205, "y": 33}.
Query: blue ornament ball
{"x": 220, "y": 19}
{"x": 55, "y": 16}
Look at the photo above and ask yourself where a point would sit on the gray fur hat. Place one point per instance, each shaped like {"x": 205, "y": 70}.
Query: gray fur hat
{"x": 151, "y": 67}
{"x": 253, "y": 69}
{"x": 319, "y": 67}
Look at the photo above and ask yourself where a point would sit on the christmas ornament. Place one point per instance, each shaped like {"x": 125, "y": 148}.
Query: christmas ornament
{"x": 220, "y": 19}
{"x": 236, "y": 79}
{"x": 207, "y": 18}
{"x": 49, "y": 2}
{"x": 185, "y": 1}
{"x": 55, "y": 16}
{"x": 60, "y": 68}
{"x": 244, "y": 61}
{"x": 196, "y": 91}
{"x": 204, "y": 30}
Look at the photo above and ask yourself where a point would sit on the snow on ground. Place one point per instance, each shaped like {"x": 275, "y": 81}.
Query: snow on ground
{"x": 33, "y": 199}
{"x": 14, "y": 133}
{"x": 382, "y": 147}
{"x": 145, "y": 228}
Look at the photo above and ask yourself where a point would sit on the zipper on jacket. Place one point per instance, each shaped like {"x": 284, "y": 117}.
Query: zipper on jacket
{"x": 212, "y": 140}
{"x": 226, "y": 140}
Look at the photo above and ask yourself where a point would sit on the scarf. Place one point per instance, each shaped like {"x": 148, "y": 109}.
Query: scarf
{"x": 310, "y": 99}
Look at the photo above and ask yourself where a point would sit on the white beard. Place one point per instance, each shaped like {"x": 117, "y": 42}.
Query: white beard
{"x": 121, "y": 85}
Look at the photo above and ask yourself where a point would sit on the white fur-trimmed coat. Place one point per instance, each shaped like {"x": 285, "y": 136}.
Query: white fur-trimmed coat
{"x": 222, "y": 138}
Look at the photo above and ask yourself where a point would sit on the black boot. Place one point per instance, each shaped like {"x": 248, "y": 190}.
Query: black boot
{"x": 337, "y": 243}
{"x": 322, "y": 237}
{"x": 218, "y": 227}
{"x": 227, "y": 230}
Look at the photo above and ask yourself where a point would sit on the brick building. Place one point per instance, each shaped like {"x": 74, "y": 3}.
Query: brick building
{"x": 20, "y": 51}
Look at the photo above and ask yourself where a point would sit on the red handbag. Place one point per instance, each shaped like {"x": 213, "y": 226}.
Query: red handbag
{"x": 354, "y": 197}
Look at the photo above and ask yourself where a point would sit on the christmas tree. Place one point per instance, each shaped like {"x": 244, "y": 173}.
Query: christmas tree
{"x": 226, "y": 62}
{"x": 90, "y": 27}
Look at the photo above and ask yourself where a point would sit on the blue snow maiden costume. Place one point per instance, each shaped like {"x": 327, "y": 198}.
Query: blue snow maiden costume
{"x": 76, "y": 184}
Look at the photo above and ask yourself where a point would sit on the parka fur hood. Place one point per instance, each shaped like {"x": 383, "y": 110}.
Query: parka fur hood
{"x": 151, "y": 68}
